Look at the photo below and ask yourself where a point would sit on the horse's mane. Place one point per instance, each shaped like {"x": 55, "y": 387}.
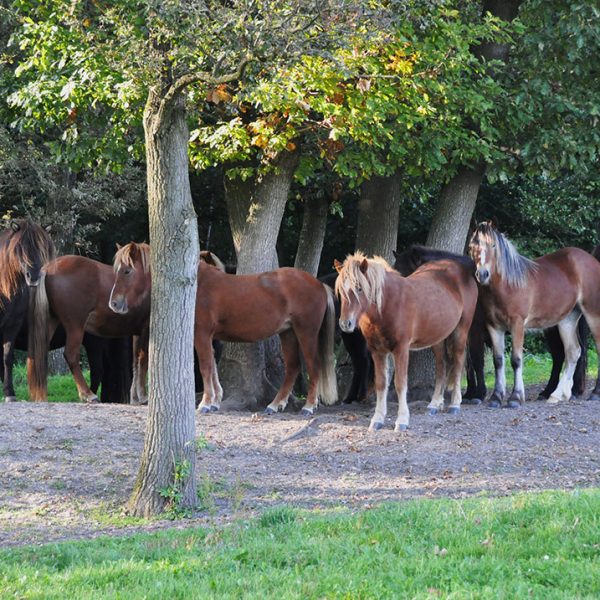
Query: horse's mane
{"x": 19, "y": 246}
{"x": 126, "y": 255}
{"x": 511, "y": 266}
{"x": 371, "y": 282}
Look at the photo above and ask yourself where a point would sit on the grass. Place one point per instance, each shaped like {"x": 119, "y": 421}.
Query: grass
{"x": 528, "y": 545}
{"x": 61, "y": 388}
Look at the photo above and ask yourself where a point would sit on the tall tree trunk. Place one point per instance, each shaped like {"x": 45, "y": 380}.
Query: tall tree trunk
{"x": 378, "y": 215}
{"x": 312, "y": 234}
{"x": 168, "y": 459}
{"x": 251, "y": 373}
{"x": 450, "y": 225}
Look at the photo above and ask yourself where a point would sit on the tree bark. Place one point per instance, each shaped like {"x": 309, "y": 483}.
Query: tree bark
{"x": 450, "y": 224}
{"x": 251, "y": 373}
{"x": 170, "y": 431}
{"x": 312, "y": 234}
{"x": 378, "y": 215}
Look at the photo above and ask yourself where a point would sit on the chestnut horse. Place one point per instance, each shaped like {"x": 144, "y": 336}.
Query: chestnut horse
{"x": 24, "y": 248}
{"x": 518, "y": 294}
{"x": 75, "y": 291}
{"x": 248, "y": 308}
{"x": 433, "y": 307}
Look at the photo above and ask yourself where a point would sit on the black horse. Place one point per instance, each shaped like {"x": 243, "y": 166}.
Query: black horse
{"x": 24, "y": 248}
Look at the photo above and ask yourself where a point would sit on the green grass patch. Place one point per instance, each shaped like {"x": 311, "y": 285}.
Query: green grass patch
{"x": 61, "y": 388}
{"x": 528, "y": 545}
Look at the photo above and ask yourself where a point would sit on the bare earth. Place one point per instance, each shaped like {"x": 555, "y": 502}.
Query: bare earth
{"x": 67, "y": 469}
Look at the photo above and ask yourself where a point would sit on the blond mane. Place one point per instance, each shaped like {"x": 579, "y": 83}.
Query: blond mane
{"x": 351, "y": 277}
{"x": 126, "y": 256}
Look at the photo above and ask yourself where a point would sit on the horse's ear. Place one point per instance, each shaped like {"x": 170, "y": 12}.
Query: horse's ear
{"x": 118, "y": 246}
{"x": 364, "y": 265}
{"x": 15, "y": 226}
{"x": 494, "y": 222}
{"x": 208, "y": 258}
{"x": 337, "y": 265}
{"x": 48, "y": 228}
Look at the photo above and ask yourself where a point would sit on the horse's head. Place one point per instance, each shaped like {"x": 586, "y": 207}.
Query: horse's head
{"x": 482, "y": 249}
{"x": 26, "y": 247}
{"x": 359, "y": 285}
{"x": 132, "y": 277}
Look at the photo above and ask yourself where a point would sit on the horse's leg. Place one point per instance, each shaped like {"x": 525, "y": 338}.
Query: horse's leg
{"x": 517, "y": 396}
{"x": 401, "y": 383}
{"x": 381, "y": 389}
{"x": 497, "y": 338}
{"x": 359, "y": 356}
{"x": 437, "y": 399}
{"x": 308, "y": 340}
{"x": 476, "y": 390}
{"x": 72, "y": 355}
{"x": 583, "y": 332}
{"x": 140, "y": 355}
{"x": 206, "y": 362}
{"x": 291, "y": 360}
{"x": 9, "y": 358}
{"x": 459, "y": 350}
{"x": 557, "y": 352}
{"x": 570, "y": 339}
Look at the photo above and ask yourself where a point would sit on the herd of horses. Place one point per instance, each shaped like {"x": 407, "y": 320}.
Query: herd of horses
{"x": 453, "y": 304}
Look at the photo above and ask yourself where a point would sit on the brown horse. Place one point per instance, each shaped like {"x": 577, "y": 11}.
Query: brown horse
{"x": 518, "y": 294}
{"x": 24, "y": 248}
{"x": 433, "y": 307}
{"x": 75, "y": 292}
{"x": 248, "y": 308}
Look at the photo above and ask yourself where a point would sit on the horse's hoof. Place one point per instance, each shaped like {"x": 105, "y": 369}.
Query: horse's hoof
{"x": 307, "y": 412}
{"x": 204, "y": 410}
{"x": 472, "y": 401}
{"x": 541, "y": 398}
{"x": 513, "y": 404}
{"x": 494, "y": 403}
{"x": 349, "y": 400}
{"x": 214, "y": 408}
{"x": 92, "y": 400}
{"x": 553, "y": 400}
{"x": 10, "y": 398}
{"x": 454, "y": 410}
{"x": 376, "y": 426}
{"x": 595, "y": 397}
{"x": 433, "y": 412}
{"x": 401, "y": 427}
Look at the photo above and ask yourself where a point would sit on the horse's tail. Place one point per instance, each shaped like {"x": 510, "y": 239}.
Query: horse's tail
{"x": 327, "y": 386}
{"x": 38, "y": 341}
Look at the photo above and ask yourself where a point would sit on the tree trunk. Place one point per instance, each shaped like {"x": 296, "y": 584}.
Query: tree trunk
{"x": 378, "y": 215}
{"x": 450, "y": 225}
{"x": 312, "y": 234}
{"x": 168, "y": 459}
{"x": 251, "y": 373}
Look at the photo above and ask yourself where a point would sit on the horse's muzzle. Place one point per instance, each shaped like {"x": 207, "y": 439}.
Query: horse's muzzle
{"x": 482, "y": 276}
{"x": 118, "y": 305}
{"x": 347, "y": 325}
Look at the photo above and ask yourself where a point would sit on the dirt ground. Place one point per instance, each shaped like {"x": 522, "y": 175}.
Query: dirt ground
{"x": 66, "y": 469}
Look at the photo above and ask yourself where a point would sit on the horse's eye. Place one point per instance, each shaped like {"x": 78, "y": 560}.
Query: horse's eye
{"x": 127, "y": 271}
{"x": 359, "y": 289}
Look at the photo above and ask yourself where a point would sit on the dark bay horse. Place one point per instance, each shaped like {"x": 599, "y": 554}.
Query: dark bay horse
{"x": 24, "y": 248}
{"x": 248, "y": 308}
{"x": 75, "y": 292}
{"x": 518, "y": 294}
{"x": 433, "y": 307}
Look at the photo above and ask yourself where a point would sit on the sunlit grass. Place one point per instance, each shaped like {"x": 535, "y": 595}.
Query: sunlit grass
{"x": 528, "y": 545}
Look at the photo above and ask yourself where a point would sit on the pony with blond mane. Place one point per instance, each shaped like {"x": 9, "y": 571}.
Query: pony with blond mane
{"x": 249, "y": 308}
{"x": 24, "y": 248}
{"x": 433, "y": 307}
{"x": 518, "y": 293}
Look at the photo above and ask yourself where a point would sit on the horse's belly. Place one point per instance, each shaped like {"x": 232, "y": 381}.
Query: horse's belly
{"x": 250, "y": 330}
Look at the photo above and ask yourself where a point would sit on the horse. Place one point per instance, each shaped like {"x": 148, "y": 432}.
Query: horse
{"x": 24, "y": 248}
{"x": 518, "y": 293}
{"x": 433, "y": 307}
{"x": 75, "y": 291}
{"x": 248, "y": 308}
